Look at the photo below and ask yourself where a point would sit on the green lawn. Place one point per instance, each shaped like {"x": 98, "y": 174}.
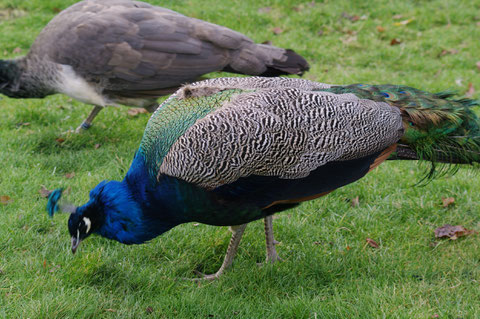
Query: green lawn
{"x": 328, "y": 271}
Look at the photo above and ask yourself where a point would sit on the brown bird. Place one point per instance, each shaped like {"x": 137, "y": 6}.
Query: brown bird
{"x": 111, "y": 52}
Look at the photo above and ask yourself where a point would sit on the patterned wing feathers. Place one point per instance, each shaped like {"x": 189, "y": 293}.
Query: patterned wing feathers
{"x": 280, "y": 132}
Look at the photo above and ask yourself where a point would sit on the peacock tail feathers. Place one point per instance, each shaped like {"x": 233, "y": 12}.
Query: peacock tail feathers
{"x": 173, "y": 118}
{"x": 438, "y": 128}
{"x": 421, "y": 108}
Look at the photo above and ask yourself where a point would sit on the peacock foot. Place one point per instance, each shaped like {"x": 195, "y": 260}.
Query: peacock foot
{"x": 210, "y": 277}
{"x": 237, "y": 232}
{"x": 272, "y": 255}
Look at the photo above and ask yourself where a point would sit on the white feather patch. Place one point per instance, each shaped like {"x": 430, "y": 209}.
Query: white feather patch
{"x": 88, "y": 223}
{"x": 75, "y": 86}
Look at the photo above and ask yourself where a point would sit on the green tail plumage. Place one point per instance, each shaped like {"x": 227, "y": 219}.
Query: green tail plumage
{"x": 438, "y": 128}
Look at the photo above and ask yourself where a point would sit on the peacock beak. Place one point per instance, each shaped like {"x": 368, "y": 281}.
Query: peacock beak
{"x": 75, "y": 242}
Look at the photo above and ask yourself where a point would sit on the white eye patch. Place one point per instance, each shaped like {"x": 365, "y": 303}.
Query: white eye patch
{"x": 88, "y": 223}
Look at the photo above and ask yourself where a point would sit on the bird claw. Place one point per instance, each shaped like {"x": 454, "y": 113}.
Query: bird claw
{"x": 78, "y": 130}
{"x": 273, "y": 259}
{"x": 270, "y": 260}
{"x": 205, "y": 277}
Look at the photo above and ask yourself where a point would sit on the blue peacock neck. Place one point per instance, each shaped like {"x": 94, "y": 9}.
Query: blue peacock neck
{"x": 136, "y": 210}
{"x": 171, "y": 201}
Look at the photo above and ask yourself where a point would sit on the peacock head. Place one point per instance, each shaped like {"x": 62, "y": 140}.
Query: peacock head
{"x": 90, "y": 217}
{"x": 86, "y": 220}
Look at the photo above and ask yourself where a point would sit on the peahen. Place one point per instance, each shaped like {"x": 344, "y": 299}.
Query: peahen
{"x": 112, "y": 52}
{"x": 229, "y": 151}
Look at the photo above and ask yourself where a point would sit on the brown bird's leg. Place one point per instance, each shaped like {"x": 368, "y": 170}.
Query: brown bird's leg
{"x": 237, "y": 232}
{"x": 272, "y": 255}
{"x": 88, "y": 121}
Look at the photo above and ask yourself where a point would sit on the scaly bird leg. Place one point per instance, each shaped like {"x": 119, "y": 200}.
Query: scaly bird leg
{"x": 272, "y": 255}
{"x": 237, "y": 232}
{"x": 88, "y": 121}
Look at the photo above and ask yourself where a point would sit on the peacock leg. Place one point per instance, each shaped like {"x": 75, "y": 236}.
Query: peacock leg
{"x": 237, "y": 232}
{"x": 88, "y": 121}
{"x": 272, "y": 255}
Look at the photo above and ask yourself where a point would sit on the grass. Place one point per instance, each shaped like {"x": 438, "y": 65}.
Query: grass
{"x": 328, "y": 270}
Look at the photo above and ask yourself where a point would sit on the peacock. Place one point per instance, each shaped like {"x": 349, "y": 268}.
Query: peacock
{"x": 123, "y": 52}
{"x": 229, "y": 151}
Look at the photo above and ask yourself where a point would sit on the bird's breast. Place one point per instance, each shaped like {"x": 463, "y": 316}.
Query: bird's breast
{"x": 75, "y": 86}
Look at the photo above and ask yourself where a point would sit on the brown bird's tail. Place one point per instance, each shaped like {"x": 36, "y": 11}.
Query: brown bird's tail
{"x": 294, "y": 64}
{"x": 267, "y": 60}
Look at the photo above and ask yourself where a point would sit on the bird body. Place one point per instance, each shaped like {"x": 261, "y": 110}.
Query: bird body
{"x": 129, "y": 52}
{"x": 232, "y": 150}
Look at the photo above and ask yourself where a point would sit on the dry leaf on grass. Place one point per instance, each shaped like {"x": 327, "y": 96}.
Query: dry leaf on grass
{"x": 5, "y": 200}
{"x": 355, "y": 201}
{"x": 348, "y": 31}
{"x": 352, "y": 18}
{"x": 44, "y": 192}
{"x": 470, "y": 91}
{"x": 395, "y": 41}
{"x": 397, "y": 16}
{"x": 149, "y": 310}
{"x": 134, "y": 111}
{"x": 404, "y": 22}
{"x": 21, "y": 124}
{"x": 297, "y": 8}
{"x": 277, "y": 30}
{"x": 97, "y": 146}
{"x": 447, "y": 51}
{"x": 372, "y": 243}
{"x": 348, "y": 39}
{"x": 478, "y": 65}
{"x": 380, "y": 28}
{"x": 60, "y": 140}
{"x": 447, "y": 201}
{"x": 70, "y": 175}
{"x": 453, "y": 232}
{"x": 265, "y": 10}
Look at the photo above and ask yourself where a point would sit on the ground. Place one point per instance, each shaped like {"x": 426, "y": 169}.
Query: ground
{"x": 328, "y": 269}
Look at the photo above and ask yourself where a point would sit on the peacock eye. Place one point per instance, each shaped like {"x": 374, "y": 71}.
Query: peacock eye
{"x": 411, "y": 123}
{"x": 385, "y": 94}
